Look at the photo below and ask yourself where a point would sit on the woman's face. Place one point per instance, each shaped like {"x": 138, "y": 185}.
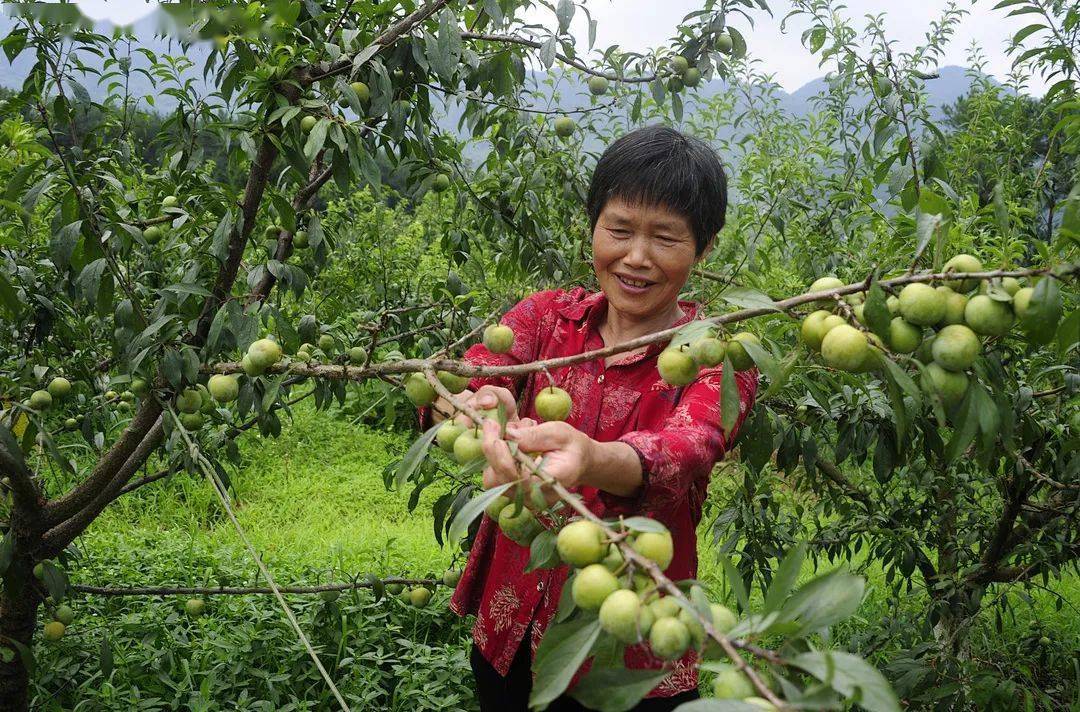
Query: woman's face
{"x": 642, "y": 255}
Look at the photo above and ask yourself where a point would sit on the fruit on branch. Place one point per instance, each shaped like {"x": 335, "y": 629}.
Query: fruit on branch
{"x": 468, "y": 447}
{"x": 564, "y": 127}
{"x": 419, "y": 597}
{"x": 675, "y": 85}
{"x": 129, "y": 396}
{"x": 721, "y": 618}
{"x": 883, "y": 85}
{"x": 419, "y": 390}
{"x": 1022, "y": 302}
{"x": 40, "y": 401}
{"x": 691, "y": 77}
{"x": 441, "y": 183}
{"x": 59, "y": 387}
{"x": 962, "y": 263}
{"x": 264, "y": 353}
{"x": 448, "y": 434}
{"x": 921, "y": 304}
{"x": 621, "y": 617}
{"x": 988, "y": 316}
{"x": 813, "y": 328}
{"x": 170, "y": 201}
{"x": 740, "y": 357}
{"x": 308, "y": 123}
{"x": 70, "y": 423}
{"x": 676, "y": 366}
{"x": 581, "y": 543}
{"x": 679, "y": 64}
{"x": 403, "y": 596}
{"x": 592, "y": 585}
{"x": 954, "y": 306}
{"x": 598, "y": 85}
{"x": 904, "y": 338}
{"x": 195, "y": 607}
{"x": 708, "y": 351}
{"x": 893, "y": 303}
{"x": 54, "y": 631}
{"x": 39, "y": 567}
{"x": 272, "y": 231}
{"x": 327, "y": 343}
{"x": 821, "y": 284}
{"x": 669, "y": 638}
{"x": 358, "y": 357}
{"x": 64, "y": 614}
{"x": 724, "y": 43}
{"x": 329, "y": 596}
{"x": 956, "y": 347}
{"x": 553, "y": 403}
{"x": 191, "y": 421}
{"x": 362, "y": 91}
{"x": 655, "y": 546}
{"x": 395, "y": 588}
{"x": 188, "y": 400}
{"x": 498, "y": 338}
{"x": 519, "y": 524}
{"x": 140, "y": 387}
{"x": 249, "y": 367}
{"x": 949, "y": 385}
{"x": 451, "y": 577}
{"x": 152, "y": 235}
{"x": 223, "y": 388}
{"x": 665, "y": 607}
{"x": 453, "y": 382}
{"x": 845, "y": 348}
{"x": 300, "y": 240}
{"x": 732, "y": 684}
{"x": 496, "y": 506}
{"x": 1010, "y": 285}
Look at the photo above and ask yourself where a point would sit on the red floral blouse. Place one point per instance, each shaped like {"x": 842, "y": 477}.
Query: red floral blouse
{"x": 675, "y": 431}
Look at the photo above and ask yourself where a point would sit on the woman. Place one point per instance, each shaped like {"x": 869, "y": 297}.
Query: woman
{"x": 632, "y": 444}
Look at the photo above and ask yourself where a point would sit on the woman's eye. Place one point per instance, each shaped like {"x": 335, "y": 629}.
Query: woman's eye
{"x": 619, "y": 233}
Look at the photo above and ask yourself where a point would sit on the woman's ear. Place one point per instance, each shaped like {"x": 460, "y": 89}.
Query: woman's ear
{"x": 706, "y": 251}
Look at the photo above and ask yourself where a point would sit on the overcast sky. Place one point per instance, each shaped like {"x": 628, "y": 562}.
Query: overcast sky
{"x": 640, "y": 24}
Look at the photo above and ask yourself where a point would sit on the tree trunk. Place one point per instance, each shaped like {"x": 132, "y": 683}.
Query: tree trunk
{"x": 18, "y": 617}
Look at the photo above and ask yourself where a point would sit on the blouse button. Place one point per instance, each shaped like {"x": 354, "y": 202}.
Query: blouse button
{"x": 600, "y": 378}
{"x": 540, "y": 586}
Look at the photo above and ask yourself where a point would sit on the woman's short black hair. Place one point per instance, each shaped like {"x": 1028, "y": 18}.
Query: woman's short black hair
{"x": 658, "y": 165}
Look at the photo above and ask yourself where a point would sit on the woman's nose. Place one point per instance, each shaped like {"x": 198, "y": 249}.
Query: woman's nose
{"x": 637, "y": 253}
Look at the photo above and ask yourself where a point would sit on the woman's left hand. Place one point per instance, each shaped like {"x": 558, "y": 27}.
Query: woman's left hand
{"x": 566, "y": 451}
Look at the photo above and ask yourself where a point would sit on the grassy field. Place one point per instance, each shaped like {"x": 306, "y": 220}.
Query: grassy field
{"x": 315, "y": 507}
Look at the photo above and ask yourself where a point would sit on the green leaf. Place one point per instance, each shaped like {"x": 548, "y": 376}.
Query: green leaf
{"x": 542, "y": 554}
{"x": 710, "y": 704}
{"x": 784, "y": 580}
{"x": 731, "y": 572}
{"x": 565, "y": 12}
{"x": 561, "y": 652}
{"x": 825, "y": 600}
{"x": 472, "y": 510}
{"x": 765, "y": 361}
{"x": 56, "y": 581}
{"x": 616, "y": 689}
{"x": 644, "y": 524}
{"x": 415, "y": 455}
{"x": 316, "y": 139}
{"x": 748, "y": 299}
{"x": 9, "y": 298}
{"x": 1044, "y": 311}
{"x": 876, "y": 312}
{"x": 965, "y": 427}
{"x": 852, "y": 677}
{"x": 729, "y": 397}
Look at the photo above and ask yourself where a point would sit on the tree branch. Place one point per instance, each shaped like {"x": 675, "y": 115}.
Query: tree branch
{"x": 114, "y": 458}
{"x": 54, "y": 540}
{"x": 536, "y": 44}
{"x": 355, "y": 373}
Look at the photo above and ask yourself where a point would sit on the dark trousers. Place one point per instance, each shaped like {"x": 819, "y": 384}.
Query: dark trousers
{"x": 511, "y": 693}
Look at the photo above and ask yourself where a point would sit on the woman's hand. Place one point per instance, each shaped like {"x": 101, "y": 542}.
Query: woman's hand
{"x": 567, "y": 453}
{"x": 485, "y": 397}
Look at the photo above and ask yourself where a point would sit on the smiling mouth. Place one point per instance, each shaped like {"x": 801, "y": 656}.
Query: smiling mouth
{"x": 637, "y": 283}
